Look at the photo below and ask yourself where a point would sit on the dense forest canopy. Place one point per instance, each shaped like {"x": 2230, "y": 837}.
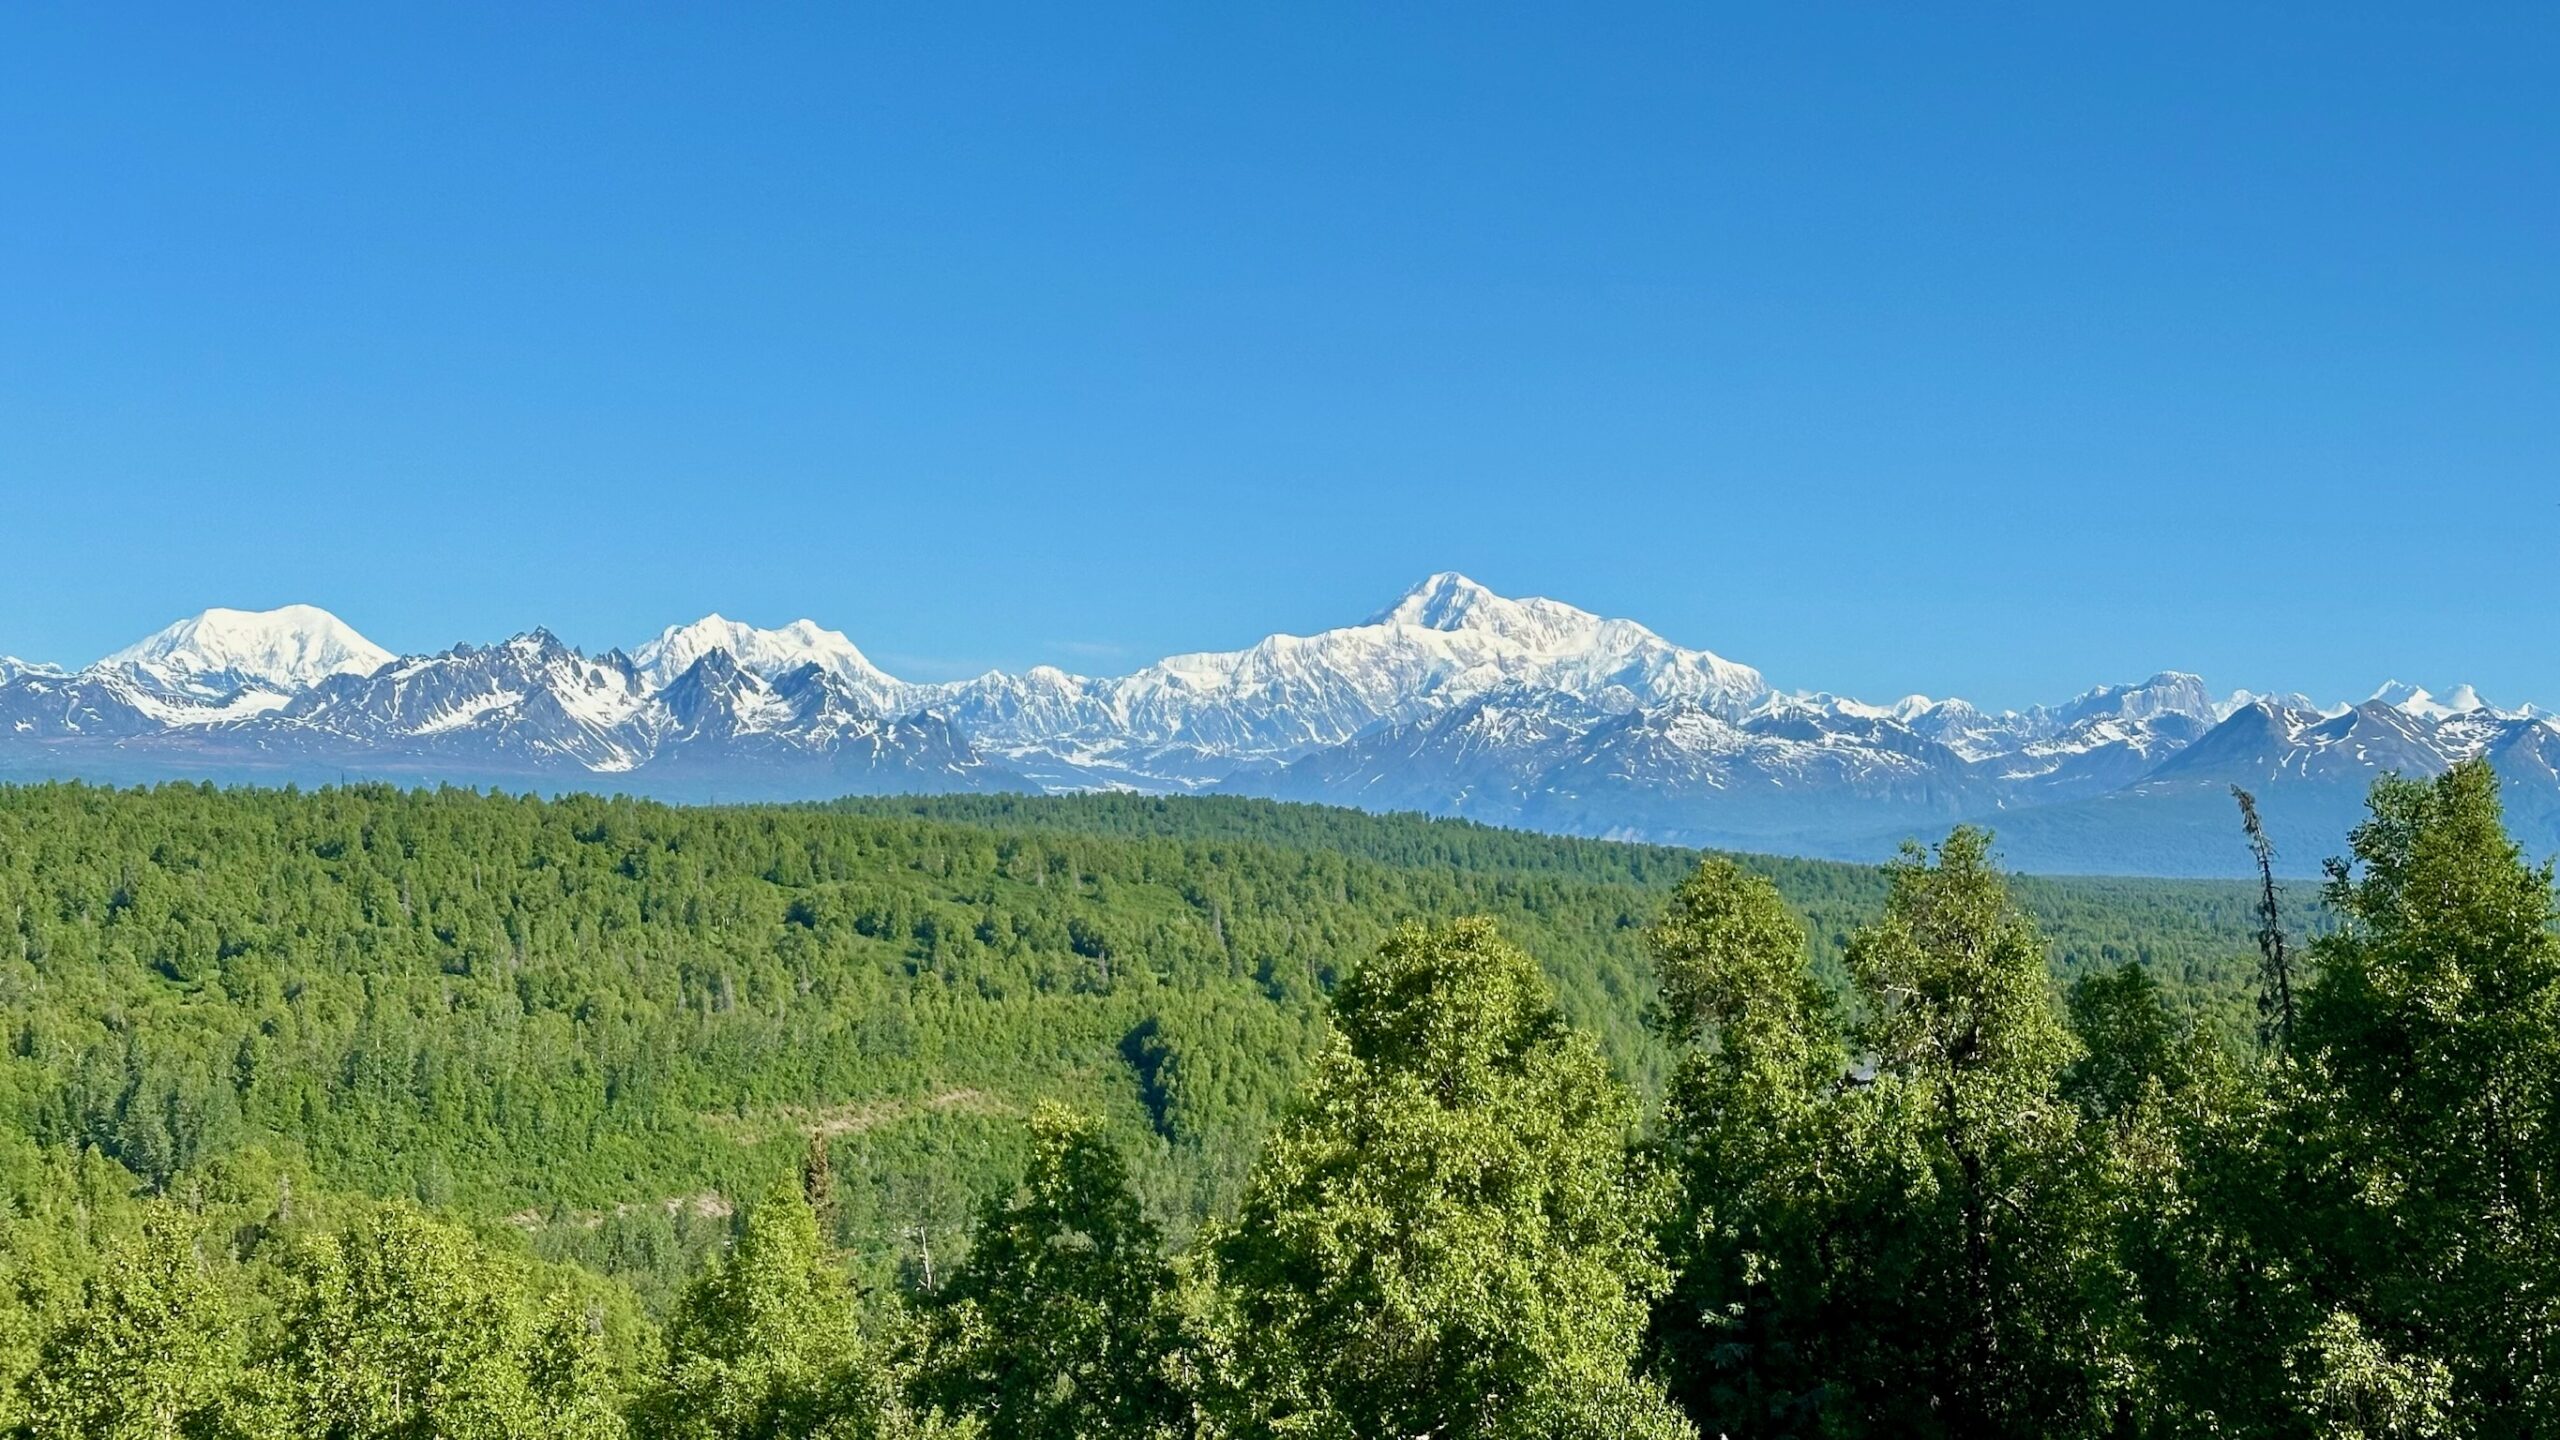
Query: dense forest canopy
{"x": 1122, "y": 1115}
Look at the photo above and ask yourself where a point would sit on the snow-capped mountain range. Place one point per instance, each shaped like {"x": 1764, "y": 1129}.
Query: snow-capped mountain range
{"x": 1453, "y": 700}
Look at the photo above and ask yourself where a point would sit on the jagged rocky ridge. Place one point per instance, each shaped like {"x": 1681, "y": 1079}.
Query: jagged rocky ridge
{"x": 1454, "y": 700}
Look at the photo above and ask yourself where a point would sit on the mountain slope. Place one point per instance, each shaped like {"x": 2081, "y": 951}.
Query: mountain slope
{"x": 218, "y": 652}
{"x": 1451, "y": 700}
{"x": 769, "y": 653}
{"x": 1193, "y": 719}
{"x": 2310, "y": 772}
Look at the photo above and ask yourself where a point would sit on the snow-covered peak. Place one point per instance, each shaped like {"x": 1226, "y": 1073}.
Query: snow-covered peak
{"x": 1449, "y": 601}
{"x": 2415, "y": 700}
{"x": 768, "y": 653}
{"x": 1446, "y": 642}
{"x": 2242, "y": 699}
{"x": 2171, "y": 692}
{"x": 1824, "y": 703}
{"x": 1585, "y": 652}
{"x": 287, "y": 649}
{"x": 2397, "y": 693}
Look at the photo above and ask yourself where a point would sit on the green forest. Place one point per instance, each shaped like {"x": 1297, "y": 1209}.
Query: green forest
{"x": 369, "y": 1112}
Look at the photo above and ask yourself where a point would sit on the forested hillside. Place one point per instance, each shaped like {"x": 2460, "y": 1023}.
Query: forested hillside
{"x": 2193, "y": 933}
{"x": 571, "y": 1040}
{"x": 508, "y": 1003}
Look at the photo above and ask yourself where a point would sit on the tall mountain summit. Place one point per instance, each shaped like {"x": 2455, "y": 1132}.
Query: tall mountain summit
{"x": 1452, "y": 699}
{"x": 221, "y": 651}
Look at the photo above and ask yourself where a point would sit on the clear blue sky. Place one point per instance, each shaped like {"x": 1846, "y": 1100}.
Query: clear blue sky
{"x": 1996, "y": 353}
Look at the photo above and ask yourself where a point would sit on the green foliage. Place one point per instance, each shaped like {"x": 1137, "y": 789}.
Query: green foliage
{"x": 763, "y": 1346}
{"x": 378, "y": 1113}
{"x": 2350, "y": 1233}
{"x": 221, "y": 1315}
{"x": 401, "y": 1326}
{"x": 602, "y": 1016}
{"x": 1959, "y": 1000}
{"x": 1063, "y": 1324}
{"x": 2187, "y": 1312}
{"x": 2129, "y": 1040}
{"x": 2349, "y": 1387}
{"x": 148, "y": 1355}
{"x": 1447, "y": 1238}
{"x": 2197, "y": 936}
{"x": 1978, "y": 1260}
{"x": 1750, "y": 1132}
{"x": 2428, "y": 1046}
{"x": 1902, "y": 1248}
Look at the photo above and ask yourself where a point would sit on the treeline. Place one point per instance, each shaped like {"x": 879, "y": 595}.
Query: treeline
{"x": 585, "y": 1010}
{"x": 1751, "y": 1183}
{"x": 2189, "y": 933}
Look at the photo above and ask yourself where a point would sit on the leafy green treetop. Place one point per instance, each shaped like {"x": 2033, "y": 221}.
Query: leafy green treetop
{"x": 1976, "y": 1150}
{"x": 1750, "y": 1131}
{"x": 1061, "y": 1324}
{"x": 403, "y": 1327}
{"x": 1887, "y": 1227}
{"x": 1447, "y": 1238}
{"x": 2429, "y": 1049}
{"x": 2128, "y": 1040}
{"x": 764, "y": 1346}
{"x": 149, "y": 1354}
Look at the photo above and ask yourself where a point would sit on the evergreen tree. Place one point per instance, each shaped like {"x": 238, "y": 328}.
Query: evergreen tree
{"x": 2275, "y": 956}
{"x": 1446, "y": 1237}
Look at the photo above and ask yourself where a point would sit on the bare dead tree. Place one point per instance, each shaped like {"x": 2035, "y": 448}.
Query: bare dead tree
{"x": 2275, "y": 965}
{"x": 924, "y": 1254}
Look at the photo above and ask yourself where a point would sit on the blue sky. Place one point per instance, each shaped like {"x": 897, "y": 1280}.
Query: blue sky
{"x": 1994, "y": 352}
